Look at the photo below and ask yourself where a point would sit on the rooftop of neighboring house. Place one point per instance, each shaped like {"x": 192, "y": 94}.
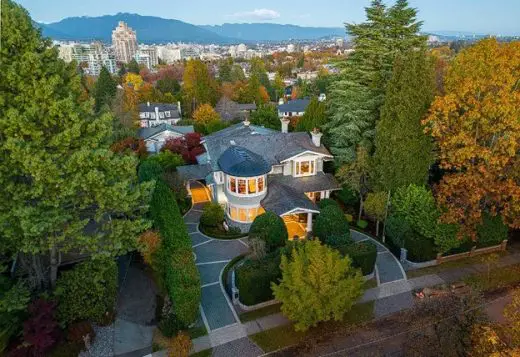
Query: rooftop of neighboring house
{"x": 271, "y": 146}
{"x": 148, "y": 133}
{"x": 162, "y": 107}
{"x": 296, "y": 105}
{"x": 229, "y": 109}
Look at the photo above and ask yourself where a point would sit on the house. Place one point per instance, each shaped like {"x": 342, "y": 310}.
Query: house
{"x": 153, "y": 114}
{"x": 155, "y": 136}
{"x": 230, "y": 110}
{"x": 249, "y": 169}
{"x": 293, "y": 108}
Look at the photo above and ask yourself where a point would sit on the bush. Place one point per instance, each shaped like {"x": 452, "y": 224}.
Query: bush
{"x": 167, "y": 160}
{"x": 254, "y": 278}
{"x": 331, "y": 221}
{"x": 174, "y": 258}
{"x": 77, "y": 332}
{"x": 149, "y": 170}
{"x": 339, "y": 240}
{"x": 402, "y": 235}
{"x": 363, "y": 255}
{"x": 41, "y": 331}
{"x": 347, "y": 196}
{"x": 88, "y": 291}
{"x": 212, "y": 215}
{"x": 270, "y": 228}
{"x": 361, "y": 223}
{"x": 491, "y": 232}
{"x": 170, "y": 325}
{"x": 327, "y": 202}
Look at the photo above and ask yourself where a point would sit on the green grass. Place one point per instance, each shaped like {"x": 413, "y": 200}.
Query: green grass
{"x": 205, "y": 353}
{"x": 450, "y": 265}
{"x": 284, "y": 336}
{"x": 255, "y": 314}
{"x": 369, "y": 284}
{"x": 498, "y": 278}
{"x": 197, "y": 331}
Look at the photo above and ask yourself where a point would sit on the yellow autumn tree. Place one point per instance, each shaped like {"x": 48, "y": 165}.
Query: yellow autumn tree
{"x": 205, "y": 114}
{"x": 133, "y": 80}
{"x": 476, "y": 124}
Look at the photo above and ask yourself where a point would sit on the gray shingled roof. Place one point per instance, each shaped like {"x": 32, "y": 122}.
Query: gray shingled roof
{"x": 296, "y": 105}
{"x": 194, "y": 172}
{"x": 319, "y": 182}
{"x": 247, "y": 106}
{"x": 144, "y": 107}
{"x": 145, "y": 133}
{"x": 272, "y": 145}
{"x": 281, "y": 199}
{"x": 241, "y": 162}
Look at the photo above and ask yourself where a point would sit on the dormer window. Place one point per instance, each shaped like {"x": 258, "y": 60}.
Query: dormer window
{"x": 304, "y": 167}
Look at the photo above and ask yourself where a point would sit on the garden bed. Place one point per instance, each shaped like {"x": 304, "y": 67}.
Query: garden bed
{"x": 220, "y": 233}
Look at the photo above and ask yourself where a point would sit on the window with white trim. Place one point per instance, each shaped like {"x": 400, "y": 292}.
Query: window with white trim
{"x": 243, "y": 214}
{"x": 304, "y": 168}
{"x": 242, "y": 186}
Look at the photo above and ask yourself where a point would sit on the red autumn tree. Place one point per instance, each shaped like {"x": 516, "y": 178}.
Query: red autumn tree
{"x": 188, "y": 146}
{"x": 130, "y": 143}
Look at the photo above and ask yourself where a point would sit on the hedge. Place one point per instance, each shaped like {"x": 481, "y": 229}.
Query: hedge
{"x": 491, "y": 232}
{"x": 254, "y": 278}
{"x": 174, "y": 257}
{"x": 339, "y": 240}
{"x": 363, "y": 255}
{"x": 327, "y": 202}
{"x": 331, "y": 221}
{"x": 88, "y": 291}
{"x": 149, "y": 170}
{"x": 270, "y": 228}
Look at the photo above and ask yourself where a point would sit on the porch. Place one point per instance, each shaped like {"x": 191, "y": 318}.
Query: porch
{"x": 297, "y": 225}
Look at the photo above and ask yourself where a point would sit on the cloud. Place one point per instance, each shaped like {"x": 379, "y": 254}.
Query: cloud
{"x": 258, "y": 14}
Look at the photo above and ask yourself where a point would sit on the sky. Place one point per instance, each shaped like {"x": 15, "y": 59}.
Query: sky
{"x": 500, "y": 17}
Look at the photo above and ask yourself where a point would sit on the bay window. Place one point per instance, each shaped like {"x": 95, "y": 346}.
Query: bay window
{"x": 243, "y": 214}
{"x": 250, "y": 186}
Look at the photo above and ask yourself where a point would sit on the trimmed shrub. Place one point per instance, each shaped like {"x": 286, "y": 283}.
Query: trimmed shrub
{"x": 170, "y": 325}
{"x": 401, "y": 235}
{"x": 212, "y": 215}
{"x": 361, "y": 223}
{"x": 254, "y": 278}
{"x": 149, "y": 170}
{"x": 174, "y": 258}
{"x": 270, "y": 228}
{"x": 331, "y": 221}
{"x": 339, "y": 240}
{"x": 491, "y": 232}
{"x": 363, "y": 255}
{"x": 88, "y": 291}
{"x": 327, "y": 202}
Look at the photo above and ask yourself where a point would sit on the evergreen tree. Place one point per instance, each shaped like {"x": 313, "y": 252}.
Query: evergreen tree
{"x": 133, "y": 66}
{"x": 63, "y": 189}
{"x": 237, "y": 73}
{"x": 267, "y": 116}
{"x": 315, "y": 116}
{"x": 224, "y": 71}
{"x": 404, "y": 152}
{"x": 104, "y": 90}
{"x": 357, "y": 96}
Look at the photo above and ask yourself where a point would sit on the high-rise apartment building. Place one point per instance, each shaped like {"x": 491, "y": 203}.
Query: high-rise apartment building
{"x": 124, "y": 41}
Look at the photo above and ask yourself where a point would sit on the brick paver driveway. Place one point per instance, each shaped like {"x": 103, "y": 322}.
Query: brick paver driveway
{"x": 211, "y": 256}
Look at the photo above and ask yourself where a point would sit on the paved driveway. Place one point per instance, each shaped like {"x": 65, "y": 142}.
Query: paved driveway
{"x": 211, "y": 256}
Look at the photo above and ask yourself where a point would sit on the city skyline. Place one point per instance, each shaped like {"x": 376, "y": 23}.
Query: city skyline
{"x": 443, "y": 15}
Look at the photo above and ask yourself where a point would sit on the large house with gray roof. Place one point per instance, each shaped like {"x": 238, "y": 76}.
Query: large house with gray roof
{"x": 250, "y": 169}
{"x": 154, "y": 114}
{"x": 293, "y": 108}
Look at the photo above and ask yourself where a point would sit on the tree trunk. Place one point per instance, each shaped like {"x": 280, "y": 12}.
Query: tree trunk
{"x": 54, "y": 266}
{"x": 360, "y": 207}
{"x": 377, "y": 228}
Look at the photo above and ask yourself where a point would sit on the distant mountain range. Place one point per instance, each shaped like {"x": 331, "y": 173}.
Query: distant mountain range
{"x": 151, "y": 29}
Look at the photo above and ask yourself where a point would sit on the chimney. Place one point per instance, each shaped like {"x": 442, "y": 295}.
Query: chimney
{"x": 157, "y": 113}
{"x": 316, "y": 137}
{"x": 148, "y": 103}
{"x": 179, "y": 108}
{"x": 285, "y": 125}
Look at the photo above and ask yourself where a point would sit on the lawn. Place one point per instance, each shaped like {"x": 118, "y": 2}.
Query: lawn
{"x": 450, "y": 265}
{"x": 284, "y": 336}
{"x": 498, "y": 278}
{"x": 255, "y": 314}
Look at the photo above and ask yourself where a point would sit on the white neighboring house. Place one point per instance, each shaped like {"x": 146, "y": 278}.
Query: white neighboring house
{"x": 153, "y": 114}
{"x": 154, "y": 137}
{"x": 293, "y": 108}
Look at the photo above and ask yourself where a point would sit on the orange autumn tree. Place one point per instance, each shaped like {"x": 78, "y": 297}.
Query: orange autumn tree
{"x": 476, "y": 124}
{"x": 205, "y": 114}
